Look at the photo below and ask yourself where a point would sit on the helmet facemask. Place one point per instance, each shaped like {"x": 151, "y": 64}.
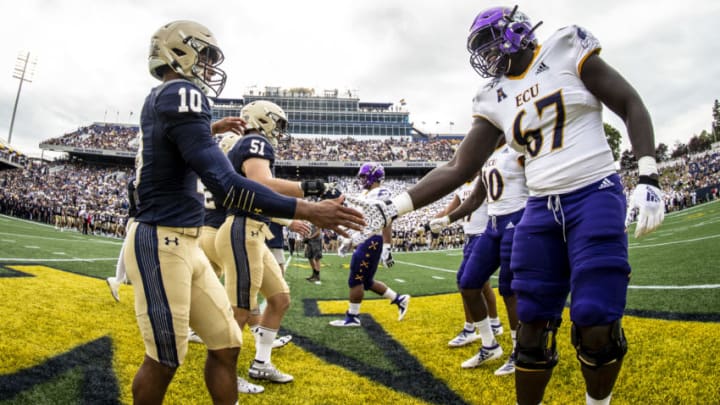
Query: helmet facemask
{"x": 205, "y": 71}
{"x": 189, "y": 49}
{"x": 268, "y": 119}
{"x": 369, "y": 174}
{"x": 495, "y": 36}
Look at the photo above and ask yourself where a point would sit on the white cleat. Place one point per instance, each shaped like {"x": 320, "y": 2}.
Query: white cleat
{"x": 485, "y": 354}
{"x": 268, "y": 372}
{"x": 194, "y": 337}
{"x": 114, "y": 285}
{"x": 350, "y": 321}
{"x": 281, "y": 341}
{"x": 464, "y": 338}
{"x": 246, "y": 387}
{"x": 508, "y": 367}
{"x": 403, "y": 302}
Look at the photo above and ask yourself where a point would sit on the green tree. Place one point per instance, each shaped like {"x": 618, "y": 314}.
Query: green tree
{"x": 699, "y": 143}
{"x": 613, "y": 138}
{"x": 716, "y": 121}
{"x": 680, "y": 150}
{"x": 628, "y": 161}
{"x": 661, "y": 152}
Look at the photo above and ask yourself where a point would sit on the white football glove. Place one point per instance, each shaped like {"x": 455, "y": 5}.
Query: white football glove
{"x": 648, "y": 199}
{"x": 378, "y": 214}
{"x": 438, "y": 224}
{"x": 386, "y": 257}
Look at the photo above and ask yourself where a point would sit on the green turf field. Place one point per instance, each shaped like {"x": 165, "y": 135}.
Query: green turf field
{"x": 676, "y": 278}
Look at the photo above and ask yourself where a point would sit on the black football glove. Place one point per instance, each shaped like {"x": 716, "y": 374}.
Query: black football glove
{"x": 316, "y": 187}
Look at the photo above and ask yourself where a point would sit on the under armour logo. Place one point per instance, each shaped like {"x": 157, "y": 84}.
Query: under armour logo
{"x": 168, "y": 241}
{"x": 543, "y": 67}
{"x": 253, "y": 233}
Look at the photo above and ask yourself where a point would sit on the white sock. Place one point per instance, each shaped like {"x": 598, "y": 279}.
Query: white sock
{"x": 390, "y": 294}
{"x": 120, "y": 268}
{"x": 591, "y": 401}
{"x": 494, "y": 321}
{"x": 513, "y": 335}
{"x": 264, "y": 338}
{"x": 486, "y": 333}
{"x": 469, "y": 326}
{"x": 354, "y": 309}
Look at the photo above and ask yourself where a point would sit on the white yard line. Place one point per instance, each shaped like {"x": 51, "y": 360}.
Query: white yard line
{"x": 643, "y": 246}
{"x": 675, "y": 287}
{"x": 75, "y": 259}
{"x": 635, "y": 287}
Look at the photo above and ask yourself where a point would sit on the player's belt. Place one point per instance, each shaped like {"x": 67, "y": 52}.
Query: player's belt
{"x": 190, "y": 231}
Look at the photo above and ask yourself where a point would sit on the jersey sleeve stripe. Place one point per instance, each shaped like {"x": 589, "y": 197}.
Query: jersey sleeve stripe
{"x": 595, "y": 51}
{"x": 488, "y": 119}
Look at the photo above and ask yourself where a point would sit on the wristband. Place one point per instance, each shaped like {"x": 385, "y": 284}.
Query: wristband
{"x": 647, "y": 166}
{"x": 403, "y": 203}
{"x": 649, "y": 180}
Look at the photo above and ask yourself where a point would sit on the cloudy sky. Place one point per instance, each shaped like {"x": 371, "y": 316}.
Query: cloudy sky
{"x": 92, "y": 55}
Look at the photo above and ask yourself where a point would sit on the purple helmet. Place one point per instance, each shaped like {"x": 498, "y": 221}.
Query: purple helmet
{"x": 370, "y": 173}
{"x": 496, "y": 34}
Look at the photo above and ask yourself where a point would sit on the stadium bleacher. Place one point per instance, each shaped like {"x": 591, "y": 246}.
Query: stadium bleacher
{"x": 77, "y": 187}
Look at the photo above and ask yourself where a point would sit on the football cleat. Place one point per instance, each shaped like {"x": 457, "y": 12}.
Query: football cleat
{"x": 194, "y": 337}
{"x": 350, "y": 321}
{"x": 464, "y": 338}
{"x": 268, "y": 372}
{"x": 403, "y": 302}
{"x": 508, "y": 367}
{"x": 497, "y": 329}
{"x": 114, "y": 285}
{"x": 246, "y": 387}
{"x": 281, "y": 341}
{"x": 483, "y": 355}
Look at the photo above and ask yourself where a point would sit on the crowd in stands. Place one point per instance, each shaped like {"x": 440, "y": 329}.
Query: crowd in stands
{"x": 90, "y": 198}
{"x": 359, "y": 150}
{"x": 70, "y": 196}
{"x": 686, "y": 181}
{"x": 11, "y": 155}
{"x": 99, "y": 136}
{"x": 122, "y": 138}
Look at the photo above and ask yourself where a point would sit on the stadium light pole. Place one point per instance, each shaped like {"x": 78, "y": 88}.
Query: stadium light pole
{"x": 24, "y": 74}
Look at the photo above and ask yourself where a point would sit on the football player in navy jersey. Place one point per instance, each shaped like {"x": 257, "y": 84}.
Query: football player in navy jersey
{"x": 547, "y": 101}
{"x": 248, "y": 264}
{"x": 173, "y": 281}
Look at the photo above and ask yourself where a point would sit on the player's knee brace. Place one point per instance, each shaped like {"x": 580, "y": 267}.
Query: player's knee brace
{"x": 613, "y": 348}
{"x": 541, "y": 353}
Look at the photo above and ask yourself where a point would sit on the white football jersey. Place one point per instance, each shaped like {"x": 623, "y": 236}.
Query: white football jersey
{"x": 378, "y": 193}
{"x": 476, "y": 222}
{"x": 550, "y": 101}
{"x": 504, "y": 178}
